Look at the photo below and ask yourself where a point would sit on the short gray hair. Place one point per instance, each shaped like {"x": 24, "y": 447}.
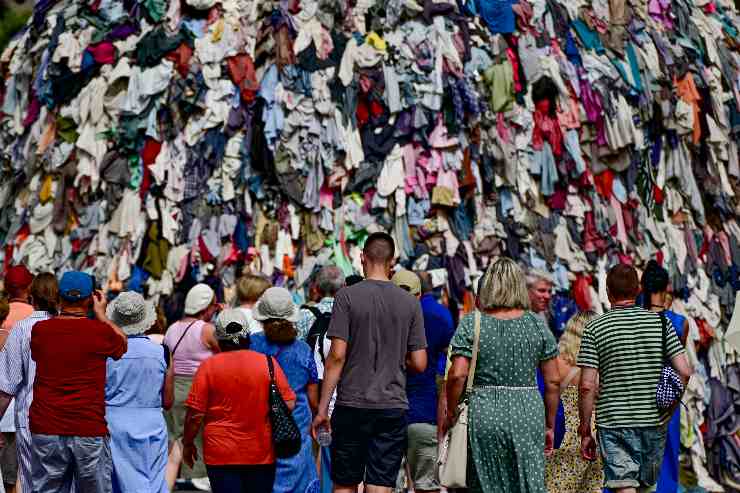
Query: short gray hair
{"x": 329, "y": 280}
{"x": 535, "y": 275}
{"x": 503, "y": 286}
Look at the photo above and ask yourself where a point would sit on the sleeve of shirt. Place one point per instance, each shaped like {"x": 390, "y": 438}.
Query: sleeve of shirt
{"x": 339, "y": 324}
{"x": 673, "y": 344}
{"x": 282, "y": 384}
{"x": 113, "y": 344}
{"x": 417, "y": 334}
{"x": 304, "y": 324}
{"x": 549, "y": 345}
{"x": 198, "y": 397}
{"x": 588, "y": 357}
{"x": 462, "y": 341}
{"x": 11, "y": 363}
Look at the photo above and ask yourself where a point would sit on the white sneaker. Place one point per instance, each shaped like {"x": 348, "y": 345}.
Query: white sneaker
{"x": 201, "y": 484}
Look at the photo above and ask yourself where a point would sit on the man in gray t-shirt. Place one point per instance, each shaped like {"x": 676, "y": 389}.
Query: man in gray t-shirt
{"x": 377, "y": 334}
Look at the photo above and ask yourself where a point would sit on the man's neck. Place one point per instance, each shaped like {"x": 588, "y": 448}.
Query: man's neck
{"x": 623, "y": 304}
{"x": 376, "y": 274}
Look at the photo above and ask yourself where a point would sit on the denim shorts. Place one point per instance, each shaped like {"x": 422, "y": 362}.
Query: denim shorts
{"x": 632, "y": 456}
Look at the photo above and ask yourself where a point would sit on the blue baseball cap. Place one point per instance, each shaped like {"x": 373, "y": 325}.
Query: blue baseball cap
{"x": 76, "y": 286}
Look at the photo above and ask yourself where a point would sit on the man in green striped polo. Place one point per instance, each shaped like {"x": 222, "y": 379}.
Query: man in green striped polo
{"x": 621, "y": 357}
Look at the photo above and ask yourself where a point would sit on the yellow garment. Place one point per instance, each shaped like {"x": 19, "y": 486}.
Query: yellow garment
{"x": 374, "y": 40}
{"x": 45, "y": 194}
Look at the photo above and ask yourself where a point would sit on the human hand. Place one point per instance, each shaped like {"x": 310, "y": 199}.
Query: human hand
{"x": 588, "y": 447}
{"x": 549, "y": 441}
{"x": 99, "y": 305}
{"x": 189, "y": 454}
{"x": 321, "y": 421}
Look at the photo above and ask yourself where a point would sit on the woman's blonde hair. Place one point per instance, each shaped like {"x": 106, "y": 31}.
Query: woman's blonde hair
{"x": 251, "y": 287}
{"x": 503, "y": 286}
{"x": 570, "y": 341}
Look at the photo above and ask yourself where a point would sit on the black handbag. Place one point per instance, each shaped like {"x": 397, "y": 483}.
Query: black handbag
{"x": 286, "y": 437}
{"x": 670, "y": 387}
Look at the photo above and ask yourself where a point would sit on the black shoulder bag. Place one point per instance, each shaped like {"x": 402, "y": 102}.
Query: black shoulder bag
{"x": 286, "y": 437}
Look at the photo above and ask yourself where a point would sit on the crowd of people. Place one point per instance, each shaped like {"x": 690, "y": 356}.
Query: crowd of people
{"x": 102, "y": 396}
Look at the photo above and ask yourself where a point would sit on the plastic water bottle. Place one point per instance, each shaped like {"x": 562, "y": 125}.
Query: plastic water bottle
{"x": 324, "y": 437}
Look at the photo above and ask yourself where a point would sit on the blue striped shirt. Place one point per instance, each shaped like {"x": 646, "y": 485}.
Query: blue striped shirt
{"x": 17, "y": 368}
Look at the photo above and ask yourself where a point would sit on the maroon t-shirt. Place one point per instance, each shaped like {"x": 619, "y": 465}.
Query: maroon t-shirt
{"x": 69, "y": 389}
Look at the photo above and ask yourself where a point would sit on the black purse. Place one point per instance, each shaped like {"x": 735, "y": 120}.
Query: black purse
{"x": 286, "y": 437}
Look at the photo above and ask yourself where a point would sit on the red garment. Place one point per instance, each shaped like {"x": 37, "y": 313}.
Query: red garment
{"x": 150, "y": 151}
{"x": 547, "y": 129}
{"x": 69, "y": 390}
{"x": 104, "y": 52}
{"x": 581, "y": 293}
{"x": 241, "y": 69}
{"x": 231, "y": 389}
{"x": 181, "y": 57}
{"x": 604, "y": 183}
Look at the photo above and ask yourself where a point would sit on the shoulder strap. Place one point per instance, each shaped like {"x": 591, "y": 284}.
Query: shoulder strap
{"x": 569, "y": 378}
{"x": 314, "y": 311}
{"x": 182, "y": 337}
{"x": 664, "y": 329}
{"x": 271, "y": 368}
{"x": 474, "y": 359}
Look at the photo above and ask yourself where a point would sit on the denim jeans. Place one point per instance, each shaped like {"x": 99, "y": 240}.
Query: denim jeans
{"x": 63, "y": 460}
{"x": 632, "y": 456}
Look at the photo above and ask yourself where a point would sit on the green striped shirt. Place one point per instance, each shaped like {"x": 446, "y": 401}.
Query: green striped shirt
{"x": 626, "y": 346}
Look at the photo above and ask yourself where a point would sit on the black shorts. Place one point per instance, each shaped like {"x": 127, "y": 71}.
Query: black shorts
{"x": 367, "y": 445}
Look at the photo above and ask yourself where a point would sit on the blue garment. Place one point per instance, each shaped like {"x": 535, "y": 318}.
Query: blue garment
{"x": 497, "y": 14}
{"x": 421, "y": 388}
{"x": 138, "y": 433}
{"x": 295, "y": 474}
{"x": 668, "y": 480}
{"x": 559, "y": 418}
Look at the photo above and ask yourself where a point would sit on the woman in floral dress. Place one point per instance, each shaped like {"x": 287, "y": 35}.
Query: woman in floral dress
{"x": 566, "y": 471}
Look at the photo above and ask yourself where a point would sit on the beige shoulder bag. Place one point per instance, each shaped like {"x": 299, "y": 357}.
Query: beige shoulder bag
{"x": 453, "y": 457}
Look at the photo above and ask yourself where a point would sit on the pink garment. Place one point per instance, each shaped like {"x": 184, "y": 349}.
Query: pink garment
{"x": 621, "y": 230}
{"x": 191, "y": 351}
{"x": 104, "y": 53}
{"x": 724, "y": 242}
{"x": 18, "y": 312}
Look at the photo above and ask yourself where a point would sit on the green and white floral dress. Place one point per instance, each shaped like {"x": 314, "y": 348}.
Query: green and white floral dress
{"x": 506, "y": 420}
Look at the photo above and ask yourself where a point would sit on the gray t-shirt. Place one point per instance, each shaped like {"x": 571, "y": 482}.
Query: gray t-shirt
{"x": 381, "y": 324}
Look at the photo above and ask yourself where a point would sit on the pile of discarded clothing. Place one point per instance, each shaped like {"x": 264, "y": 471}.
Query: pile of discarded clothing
{"x": 158, "y": 143}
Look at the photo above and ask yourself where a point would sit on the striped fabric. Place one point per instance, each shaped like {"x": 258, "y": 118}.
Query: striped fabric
{"x": 626, "y": 346}
{"x": 17, "y": 372}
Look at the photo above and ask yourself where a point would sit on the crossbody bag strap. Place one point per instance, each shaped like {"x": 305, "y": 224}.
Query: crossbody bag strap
{"x": 569, "y": 378}
{"x": 474, "y": 359}
{"x": 184, "y": 333}
{"x": 664, "y": 329}
{"x": 271, "y": 368}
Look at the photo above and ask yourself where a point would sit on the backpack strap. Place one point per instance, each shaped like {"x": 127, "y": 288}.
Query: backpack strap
{"x": 314, "y": 310}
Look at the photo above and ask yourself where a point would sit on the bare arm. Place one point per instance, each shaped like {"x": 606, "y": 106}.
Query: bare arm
{"x": 332, "y": 371}
{"x": 208, "y": 338}
{"x": 441, "y": 407}
{"x": 456, "y": 385}
{"x": 551, "y": 376}
{"x": 312, "y": 390}
{"x": 193, "y": 423}
{"x": 681, "y": 364}
{"x": 685, "y": 334}
{"x": 99, "y": 304}
{"x": 416, "y": 361}
{"x": 168, "y": 389}
{"x": 587, "y": 398}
